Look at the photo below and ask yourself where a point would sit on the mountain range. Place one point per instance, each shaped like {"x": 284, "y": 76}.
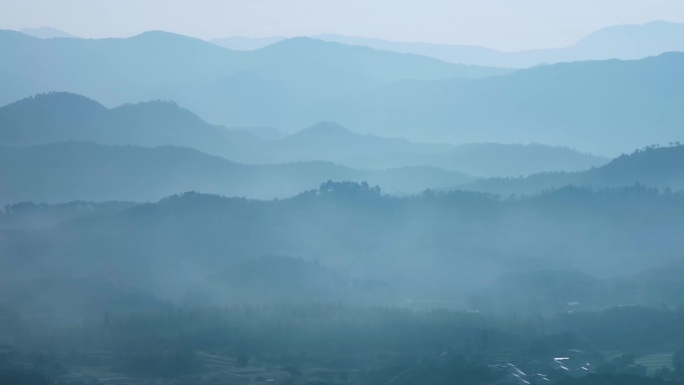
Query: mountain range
{"x": 627, "y": 42}
{"x": 606, "y": 107}
{"x": 139, "y": 158}
{"x": 61, "y": 117}
{"x": 592, "y": 106}
{"x": 159, "y": 63}
{"x": 62, "y": 172}
{"x": 329, "y": 209}
{"x": 63, "y": 147}
{"x": 658, "y": 167}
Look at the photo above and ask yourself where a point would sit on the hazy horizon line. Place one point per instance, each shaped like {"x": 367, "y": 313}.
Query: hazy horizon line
{"x": 24, "y": 30}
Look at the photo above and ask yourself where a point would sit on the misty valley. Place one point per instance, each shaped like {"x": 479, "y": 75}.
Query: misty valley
{"x": 331, "y": 210}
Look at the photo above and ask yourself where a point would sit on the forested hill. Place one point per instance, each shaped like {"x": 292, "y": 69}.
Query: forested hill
{"x": 449, "y": 238}
{"x": 652, "y": 166}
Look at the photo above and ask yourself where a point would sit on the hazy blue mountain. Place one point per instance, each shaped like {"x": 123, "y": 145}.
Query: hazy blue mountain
{"x": 605, "y": 107}
{"x": 243, "y": 43}
{"x": 234, "y": 88}
{"x": 466, "y": 54}
{"x": 592, "y": 106}
{"x": 283, "y": 85}
{"x": 381, "y": 65}
{"x": 46, "y": 33}
{"x": 655, "y": 167}
{"x": 265, "y": 133}
{"x": 615, "y": 42}
{"x": 114, "y": 71}
{"x": 70, "y": 171}
{"x": 631, "y": 41}
{"x": 333, "y": 142}
{"x": 492, "y": 159}
{"x": 50, "y": 117}
{"x": 59, "y": 117}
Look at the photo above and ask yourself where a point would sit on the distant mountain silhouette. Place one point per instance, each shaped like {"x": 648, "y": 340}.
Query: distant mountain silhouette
{"x": 333, "y": 142}
{"x": 603, "y": 106}
{"x": 630, "y": 41}
{"x": 235, "y": 88}
{"x": 654, "y": 167}
{"x": 243, "y": 43}
{"x": 70, "y": 171}
{"x": 59, "y": 117}
{"x": 46, "y": 33}
{"x": 283, "y": 84}
{"x": 593, "y": 106}
{"x": 381, "y": 65}
{"x": 615, "y": 42}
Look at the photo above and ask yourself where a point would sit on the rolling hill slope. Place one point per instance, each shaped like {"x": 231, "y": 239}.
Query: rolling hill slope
{"x": 627, "y": 42}
{"x": 62, "y": 172}
{"x": 654, "y": 167}
{"x": 634, "y": 41}
{"x": 168, "y": 66}
{"x": 59, "y": 117}
{"x": 604, "y": 107}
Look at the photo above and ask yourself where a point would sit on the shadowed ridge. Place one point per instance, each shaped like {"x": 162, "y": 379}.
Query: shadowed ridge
{"x": 49, "y": 117}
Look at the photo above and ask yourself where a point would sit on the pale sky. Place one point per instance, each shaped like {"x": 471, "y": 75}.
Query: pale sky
{"x": 501, "y": 24}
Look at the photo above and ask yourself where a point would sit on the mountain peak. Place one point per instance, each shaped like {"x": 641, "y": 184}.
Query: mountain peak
{"x": 325, "y": 129}
{"x": 57, "y": 100}
{"x": 157, "y": 33}
{"x": 164, "y": 37}
{"x": 160, "y": 110}
{"x": 306, "y": 43}
{"x": 664, "y": 35}
{"x": 327, "y": 126}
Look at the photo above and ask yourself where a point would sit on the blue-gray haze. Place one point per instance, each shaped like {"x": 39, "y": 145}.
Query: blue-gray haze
{"x": 318, "y": 192}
